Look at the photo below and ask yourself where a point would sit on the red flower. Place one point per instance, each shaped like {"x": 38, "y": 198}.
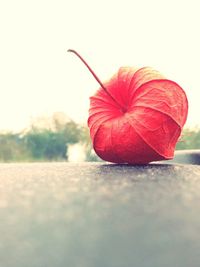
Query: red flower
{"x": 137, "y": 116}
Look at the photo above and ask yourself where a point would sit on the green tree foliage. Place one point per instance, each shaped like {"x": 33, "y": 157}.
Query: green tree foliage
{"x": 190, "y": 139}
{"x": 12, "y": 148}
{"x": 50, "y": 142}
{"x": 46, "y": 145}
{"x": 46, "y": 139}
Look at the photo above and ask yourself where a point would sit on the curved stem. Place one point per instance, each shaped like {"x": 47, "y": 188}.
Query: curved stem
{"x": 96, "y": 78}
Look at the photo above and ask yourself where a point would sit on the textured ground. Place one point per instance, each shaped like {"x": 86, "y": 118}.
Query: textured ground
{"x": 61, "y": 214}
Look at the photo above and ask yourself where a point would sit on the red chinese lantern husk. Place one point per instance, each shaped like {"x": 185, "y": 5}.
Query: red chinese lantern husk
{"x": 137, "y": 116}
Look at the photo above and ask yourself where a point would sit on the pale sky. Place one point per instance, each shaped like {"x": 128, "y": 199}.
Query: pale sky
{"x": 38, "y": 76}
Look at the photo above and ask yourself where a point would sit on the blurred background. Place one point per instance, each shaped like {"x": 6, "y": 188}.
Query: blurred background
{"x": 45, "y": 90}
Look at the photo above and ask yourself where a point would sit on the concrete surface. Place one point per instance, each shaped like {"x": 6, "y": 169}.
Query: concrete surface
{"x": 93, "y": 214}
